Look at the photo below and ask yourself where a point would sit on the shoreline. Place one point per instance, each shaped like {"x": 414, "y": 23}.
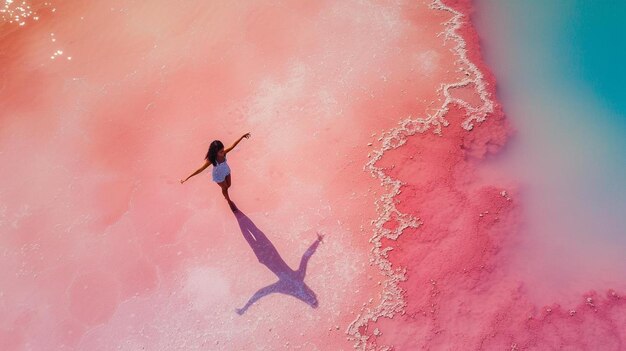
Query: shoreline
{"x": 393, "y": 301}
{"x": 369, "y": 330}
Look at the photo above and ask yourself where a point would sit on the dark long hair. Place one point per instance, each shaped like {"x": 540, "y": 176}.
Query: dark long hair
{"x": 211, "y": 155}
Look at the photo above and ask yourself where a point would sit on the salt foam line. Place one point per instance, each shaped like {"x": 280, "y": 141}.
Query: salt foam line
{"x": 392, "y": 294}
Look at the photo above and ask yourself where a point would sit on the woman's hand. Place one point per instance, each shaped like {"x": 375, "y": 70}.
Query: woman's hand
{"x": 247, "y": 135}
{"x": 182, "y": 181}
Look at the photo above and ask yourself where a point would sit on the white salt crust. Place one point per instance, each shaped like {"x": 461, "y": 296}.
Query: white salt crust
{"x": 392, "y": 300}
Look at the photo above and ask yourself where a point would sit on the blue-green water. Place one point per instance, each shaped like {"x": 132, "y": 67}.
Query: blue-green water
{"x": 574, "y": 45}
{"x": 594, "y": 50}
{"x": 559, "y": 66}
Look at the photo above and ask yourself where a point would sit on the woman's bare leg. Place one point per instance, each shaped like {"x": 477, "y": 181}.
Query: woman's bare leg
{"x": 225, "y": 185}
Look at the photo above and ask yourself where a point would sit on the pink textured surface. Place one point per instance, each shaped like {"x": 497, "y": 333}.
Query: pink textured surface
{"x": 459, "y": 291}
{"x": 103, "y": 249}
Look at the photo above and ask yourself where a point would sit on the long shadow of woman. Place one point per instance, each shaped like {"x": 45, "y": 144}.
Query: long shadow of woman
{"x": 289, "y": 282}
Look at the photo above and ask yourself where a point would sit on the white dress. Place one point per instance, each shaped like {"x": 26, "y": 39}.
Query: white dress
{"x": 220, "y": 171}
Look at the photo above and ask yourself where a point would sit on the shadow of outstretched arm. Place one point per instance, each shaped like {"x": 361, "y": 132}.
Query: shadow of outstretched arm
{"x": 258, "y": 295}
{"x": 304, "y": 261}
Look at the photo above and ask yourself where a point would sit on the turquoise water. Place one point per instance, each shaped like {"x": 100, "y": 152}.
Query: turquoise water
{"x": 559, "y": 66}
{"x": 576, "y": 45}
{"x": 594, "y": 45}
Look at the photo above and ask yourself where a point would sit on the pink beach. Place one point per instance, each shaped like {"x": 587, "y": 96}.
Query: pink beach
{"x": 360, "y": 191}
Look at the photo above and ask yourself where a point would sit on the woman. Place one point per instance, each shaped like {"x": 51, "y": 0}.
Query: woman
{"x": 216, "y": 156}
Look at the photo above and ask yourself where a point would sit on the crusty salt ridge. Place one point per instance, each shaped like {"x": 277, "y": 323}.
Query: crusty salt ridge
{"x": 392, "y": 299}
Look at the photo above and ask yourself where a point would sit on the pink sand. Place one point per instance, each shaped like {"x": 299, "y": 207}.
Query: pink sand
{"x": 103, "y": 249}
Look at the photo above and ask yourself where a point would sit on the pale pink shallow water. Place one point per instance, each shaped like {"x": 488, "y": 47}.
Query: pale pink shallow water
{"x": 103, "y": 249}
{"x": 572, "y": 236}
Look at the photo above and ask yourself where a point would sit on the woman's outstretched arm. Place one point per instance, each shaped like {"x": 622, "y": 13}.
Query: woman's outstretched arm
{"x": 206, "y": 164}
{"x": 247, "y": 135}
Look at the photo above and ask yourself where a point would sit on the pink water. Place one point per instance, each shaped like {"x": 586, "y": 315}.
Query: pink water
{"x": 103, "y": 249}
{"x": 565, "y": 157}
